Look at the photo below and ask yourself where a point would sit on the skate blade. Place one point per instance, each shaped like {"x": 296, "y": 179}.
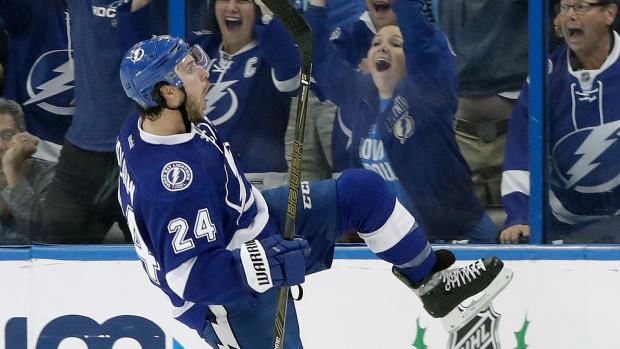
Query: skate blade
{"x": 457, "y": 318}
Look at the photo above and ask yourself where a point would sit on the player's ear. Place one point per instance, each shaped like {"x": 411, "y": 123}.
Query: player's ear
{"x": 170, "y": 96}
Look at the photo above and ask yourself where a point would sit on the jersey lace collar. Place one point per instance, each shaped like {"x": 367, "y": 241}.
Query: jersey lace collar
{"x": 165, "y": 140}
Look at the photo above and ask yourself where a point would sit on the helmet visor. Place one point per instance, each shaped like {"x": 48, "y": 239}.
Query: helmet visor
{"x": 201, "y": 60}
{"x": 200, "y": 56}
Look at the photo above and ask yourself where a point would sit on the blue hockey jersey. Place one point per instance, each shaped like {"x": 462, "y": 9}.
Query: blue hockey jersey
{"x": 39, "y": 75}
{"x": 584, "y": 121}
{"x": 250, "y": 96}
{"x": 180, "y": 245}
{"x": 415, "y": 131}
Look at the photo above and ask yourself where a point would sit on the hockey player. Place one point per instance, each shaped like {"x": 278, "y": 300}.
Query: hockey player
{"x": 254, "y": 71}
{"x": 583, "y": 119}
{"x": 402, "y": 116}
{"x": 211, "y": 241}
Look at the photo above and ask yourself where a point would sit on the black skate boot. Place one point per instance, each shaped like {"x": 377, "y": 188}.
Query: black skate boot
{"x": 444, "y": 289}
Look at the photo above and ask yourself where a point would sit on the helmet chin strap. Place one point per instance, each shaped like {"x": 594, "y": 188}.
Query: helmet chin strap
{"x": 183, "y": 110}
{"x": 188, "y": 125}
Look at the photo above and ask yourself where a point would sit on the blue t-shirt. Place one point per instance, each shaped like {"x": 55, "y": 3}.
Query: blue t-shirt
{"x": 101, "y": 36}
{"x": 373, "y": 157}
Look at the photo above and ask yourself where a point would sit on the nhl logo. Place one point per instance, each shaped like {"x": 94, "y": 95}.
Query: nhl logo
{"x": 479, "y": 333}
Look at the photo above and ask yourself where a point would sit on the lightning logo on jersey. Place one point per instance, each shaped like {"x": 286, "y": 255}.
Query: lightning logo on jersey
{"x": 54, "y": 91}
{"x": 594, "y": 167}
{"x": 222, "y": 329}
{"x": 217, "y": 92}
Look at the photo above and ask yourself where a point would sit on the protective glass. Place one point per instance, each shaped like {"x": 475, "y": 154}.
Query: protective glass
{"x": 579, "y": 7}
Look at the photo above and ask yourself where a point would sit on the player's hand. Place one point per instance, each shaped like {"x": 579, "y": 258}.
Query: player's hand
{"x": 515, "y": 234}
{"x": 272, "y": 262}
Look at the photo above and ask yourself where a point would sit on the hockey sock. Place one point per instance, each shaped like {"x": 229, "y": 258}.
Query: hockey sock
{"x": 367, "y": 205}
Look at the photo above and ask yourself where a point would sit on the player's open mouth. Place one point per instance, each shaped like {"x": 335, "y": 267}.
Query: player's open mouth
{"x": 382, "y": 6}
{"x": 382, "y": 65}
{"x": 233, "y": 23}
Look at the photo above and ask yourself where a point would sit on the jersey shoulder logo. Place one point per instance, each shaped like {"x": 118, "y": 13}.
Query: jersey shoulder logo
{"x": 176, "y": 176}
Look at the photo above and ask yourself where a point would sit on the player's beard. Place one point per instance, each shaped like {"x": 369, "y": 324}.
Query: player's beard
{"x": 194, "y": 109}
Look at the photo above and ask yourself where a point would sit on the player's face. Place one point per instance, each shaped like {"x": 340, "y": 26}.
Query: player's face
{"x": 386, "y": 58}
{"x": 196, "y": 83}
{"x": 236, "y": 21}
{"x": 381, "y": 12}
{"x": 584, "y": 32}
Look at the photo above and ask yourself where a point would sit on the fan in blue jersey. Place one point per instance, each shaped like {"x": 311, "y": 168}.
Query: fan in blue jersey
{"x": 254, "y": 71}
{"x": 39, "y": 75}
{"x": 401, "y": 119}
{"x": 583, "y": 116}
{"x": 212, "y": 242}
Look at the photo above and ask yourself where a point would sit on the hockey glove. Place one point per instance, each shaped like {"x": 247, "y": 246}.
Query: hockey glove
{"x": 272, "y": 262}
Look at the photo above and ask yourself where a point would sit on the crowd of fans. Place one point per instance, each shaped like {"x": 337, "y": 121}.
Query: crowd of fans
{"x": 447, "y": 127}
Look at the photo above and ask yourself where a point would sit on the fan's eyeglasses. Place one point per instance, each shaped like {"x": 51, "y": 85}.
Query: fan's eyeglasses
{"x": 579, "y": 7}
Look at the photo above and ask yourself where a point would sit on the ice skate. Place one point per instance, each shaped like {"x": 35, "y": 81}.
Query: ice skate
{"x": 443, "y": 290}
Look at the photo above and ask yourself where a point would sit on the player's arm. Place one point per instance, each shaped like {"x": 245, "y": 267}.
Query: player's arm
{"x": 516, "y": 173}
{"x": 280, "y": 51}
{"x": 201, "y": 267}
{"x": 220, "y": 276}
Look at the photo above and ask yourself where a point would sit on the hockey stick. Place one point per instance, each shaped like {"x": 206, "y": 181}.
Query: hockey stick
{"x": 300, "y": 30}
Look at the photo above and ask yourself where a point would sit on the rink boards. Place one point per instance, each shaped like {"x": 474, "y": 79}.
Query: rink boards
{"x": 99, "y": 298}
